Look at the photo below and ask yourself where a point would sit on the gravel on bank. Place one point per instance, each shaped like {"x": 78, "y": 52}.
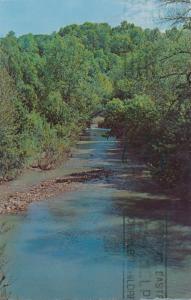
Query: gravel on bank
{"x": 19, "y": 201}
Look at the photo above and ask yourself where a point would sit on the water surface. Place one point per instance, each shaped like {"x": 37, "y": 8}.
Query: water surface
{"x": 116, "y": 238}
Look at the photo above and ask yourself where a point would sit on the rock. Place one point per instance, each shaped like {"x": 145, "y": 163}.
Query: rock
{"x": 19, "y": 201}
{"x": 84, "y": 176}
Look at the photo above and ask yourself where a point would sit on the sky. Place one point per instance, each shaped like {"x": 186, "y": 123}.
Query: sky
{"x": 46, "y": 16}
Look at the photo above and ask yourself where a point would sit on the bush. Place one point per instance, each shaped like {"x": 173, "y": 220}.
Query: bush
{"x": 10, "y": 154}
{"x": 161, "y": 134}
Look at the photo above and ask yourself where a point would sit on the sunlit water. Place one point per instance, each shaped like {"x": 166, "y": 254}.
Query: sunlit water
{"x": 116, "y": 238}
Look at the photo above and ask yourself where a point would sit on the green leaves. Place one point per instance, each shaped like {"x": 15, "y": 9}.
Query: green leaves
{"x": 141, "y": 78}
{"x": 10, "y": 155}
{"x": 56, "y": 110}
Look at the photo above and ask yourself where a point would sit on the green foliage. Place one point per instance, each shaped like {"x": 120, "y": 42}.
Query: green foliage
{"x": 156, "y": 122}
{"x": 41, "y": 143}
{"x": 160, "y": 132}
{"x": 10, "y": 156}
{"x": 55, "y": 109}
{"x": 141, "y": 78}
{"x": 141, "y": 117}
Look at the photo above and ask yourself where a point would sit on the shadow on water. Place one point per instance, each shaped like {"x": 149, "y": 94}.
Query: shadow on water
{"x": 116, "y": 238}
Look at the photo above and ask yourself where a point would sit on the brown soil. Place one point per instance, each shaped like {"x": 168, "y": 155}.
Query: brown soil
{"x": 19, "y": 201}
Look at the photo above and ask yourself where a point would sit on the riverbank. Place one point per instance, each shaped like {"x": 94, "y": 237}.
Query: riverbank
{"x": 19, "y": 201}
{"x": 82, "y": 230}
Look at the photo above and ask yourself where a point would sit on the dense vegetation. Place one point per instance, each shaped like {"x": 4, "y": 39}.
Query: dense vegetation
{"x": 151, "y": 105}
{"x": 52, "y": 84}
{"x": 49, "y": 87}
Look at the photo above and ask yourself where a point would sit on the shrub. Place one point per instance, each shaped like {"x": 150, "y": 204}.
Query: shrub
{"x": 10, "y": 154}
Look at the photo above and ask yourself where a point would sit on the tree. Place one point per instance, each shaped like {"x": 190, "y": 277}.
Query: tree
{"x": 10, "y": 155}
{"x": 177, "y": 12}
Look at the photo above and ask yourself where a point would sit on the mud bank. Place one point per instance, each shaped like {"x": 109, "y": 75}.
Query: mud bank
{"x": 18, "y": 201}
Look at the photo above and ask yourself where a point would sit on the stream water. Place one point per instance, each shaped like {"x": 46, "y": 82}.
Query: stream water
{"x": 116, "y": 238}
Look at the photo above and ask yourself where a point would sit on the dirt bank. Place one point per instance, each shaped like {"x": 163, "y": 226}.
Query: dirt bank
{"x": 18, "y": 201}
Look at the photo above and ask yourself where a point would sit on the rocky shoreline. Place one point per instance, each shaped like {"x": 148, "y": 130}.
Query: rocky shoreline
{"x": 18, "y": 202}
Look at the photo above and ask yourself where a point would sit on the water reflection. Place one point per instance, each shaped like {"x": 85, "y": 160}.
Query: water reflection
{"x": 118, "y": 238}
